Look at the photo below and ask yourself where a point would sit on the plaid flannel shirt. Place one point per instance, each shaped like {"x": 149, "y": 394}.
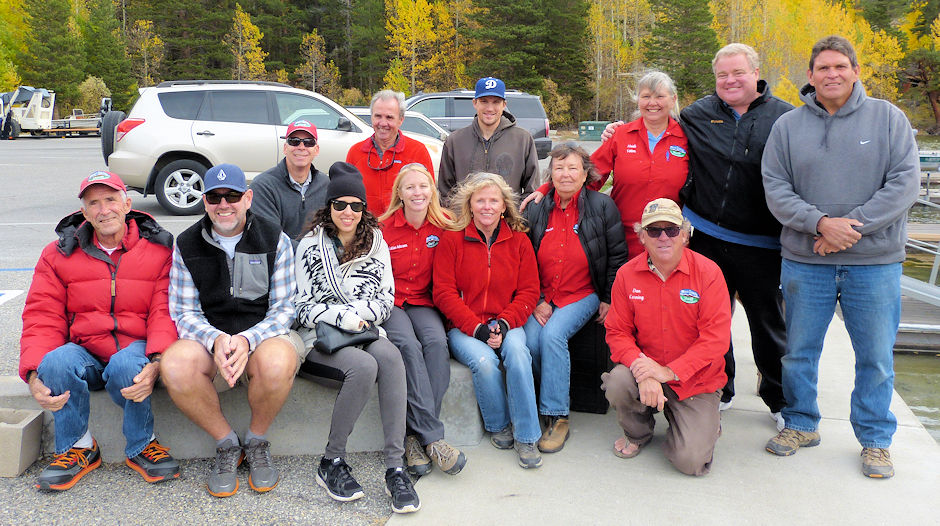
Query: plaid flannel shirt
{"x": 192, "y": 324}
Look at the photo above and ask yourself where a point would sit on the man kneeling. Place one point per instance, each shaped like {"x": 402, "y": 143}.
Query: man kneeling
{"x": 668, "y": 330}
{"x": 231, "y": 296}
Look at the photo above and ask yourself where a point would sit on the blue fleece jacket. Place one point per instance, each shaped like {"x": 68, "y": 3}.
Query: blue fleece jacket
{"x": 860, "y": 163}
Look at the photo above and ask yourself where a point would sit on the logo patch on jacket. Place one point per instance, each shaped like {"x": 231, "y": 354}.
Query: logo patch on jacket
{"x": 677, "y": 151}
{"x": 688, "y": 296}
{"x": 254, "y": 261}
{"x": 431, "y": 241}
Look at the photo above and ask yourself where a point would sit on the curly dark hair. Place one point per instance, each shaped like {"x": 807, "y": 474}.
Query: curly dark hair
{"x": 364, "y": 231}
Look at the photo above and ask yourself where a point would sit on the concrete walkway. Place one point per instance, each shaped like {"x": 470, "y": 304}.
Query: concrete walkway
{"x": 586, "y": 484}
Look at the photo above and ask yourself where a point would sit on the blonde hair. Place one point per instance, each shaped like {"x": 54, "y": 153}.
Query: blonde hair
{"x": 436, "y": 214}
{"x": 460, "y": 202}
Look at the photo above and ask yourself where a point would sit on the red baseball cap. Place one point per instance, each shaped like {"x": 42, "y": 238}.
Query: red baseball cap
{"x": 302, "y": 125}
{"x": 102, "y": 177}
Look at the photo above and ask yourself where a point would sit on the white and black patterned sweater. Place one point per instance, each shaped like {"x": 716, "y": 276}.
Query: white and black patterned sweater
{"x": 341, "y": 295}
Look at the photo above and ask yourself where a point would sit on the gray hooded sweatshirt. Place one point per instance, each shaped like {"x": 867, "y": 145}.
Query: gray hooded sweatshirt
{"x": 859, "y": 163}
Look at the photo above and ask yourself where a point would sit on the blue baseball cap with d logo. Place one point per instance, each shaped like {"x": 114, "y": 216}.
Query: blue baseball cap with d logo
{"x": 490, "y": 86}
{"x": 225, "y": 176}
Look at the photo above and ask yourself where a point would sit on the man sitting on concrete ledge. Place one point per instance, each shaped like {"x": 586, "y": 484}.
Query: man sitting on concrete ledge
{"x": 95, "y": 312}
{"x": 668, "y": 329}
{"x": 231, "y": 290}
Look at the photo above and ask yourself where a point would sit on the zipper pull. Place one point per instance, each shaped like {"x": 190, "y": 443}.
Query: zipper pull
{"x": 113, "y": 287}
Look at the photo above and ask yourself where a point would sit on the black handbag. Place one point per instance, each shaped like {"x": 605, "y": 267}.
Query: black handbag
{"x": 331, "y": 338}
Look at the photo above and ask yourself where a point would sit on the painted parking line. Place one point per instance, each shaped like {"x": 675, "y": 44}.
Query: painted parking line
{"x": 7, "y": 295}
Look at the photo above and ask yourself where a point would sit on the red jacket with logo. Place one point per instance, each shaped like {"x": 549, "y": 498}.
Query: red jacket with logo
{"x": 683, "y": 323}
{"x": 474, "y": 283}
{"x": 640, "y": 175}
{"x": 412, "y": 252}
{"x": 79, "y": 295}
{"x": 379, "y": 174}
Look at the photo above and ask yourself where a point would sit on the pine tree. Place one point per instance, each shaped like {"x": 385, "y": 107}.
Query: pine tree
{"x": 368, "y": 43}
{"x": 106, "y": 53}
{"x": 682, "y": 45}
{"x": 512, "y": 38}
{"x": 54, "y": 57}
{"x": 146, "y": 50}
{"x": 568, "y": 40}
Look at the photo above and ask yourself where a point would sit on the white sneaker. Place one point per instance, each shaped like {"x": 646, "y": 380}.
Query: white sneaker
{"x": 725, "y": 405}
{"x": 777, "y": 417}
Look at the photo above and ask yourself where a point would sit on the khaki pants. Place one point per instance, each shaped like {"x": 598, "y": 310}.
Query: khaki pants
{"x": 218, "y": 381}
{"x": 694, "y": 423}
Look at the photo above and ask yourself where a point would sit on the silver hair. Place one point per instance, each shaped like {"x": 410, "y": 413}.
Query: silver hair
{"x": 388, "y": 94}
{"x": 656, "y": 80}
{"x": 737, "y": 48}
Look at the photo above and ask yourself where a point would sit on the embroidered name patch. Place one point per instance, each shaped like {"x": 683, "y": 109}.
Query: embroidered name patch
{"x": 688, "y": 296}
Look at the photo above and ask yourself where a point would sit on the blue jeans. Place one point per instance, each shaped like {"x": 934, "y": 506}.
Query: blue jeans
{"x": 501, "y": 401}
{"x": 870, "y": 298}
{"x": 549, "y": 348}
{"x": 71, "y": 368}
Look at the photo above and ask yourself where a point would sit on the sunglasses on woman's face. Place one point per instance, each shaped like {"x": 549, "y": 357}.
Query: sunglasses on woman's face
{"x": 309, "y": 142}
{"x": 656, "y": 231}
{"x": 230, "y": 197}
{"x": 339, "y": 206}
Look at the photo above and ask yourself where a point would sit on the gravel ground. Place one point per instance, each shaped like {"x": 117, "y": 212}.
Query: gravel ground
{"x": 114, "y": 494}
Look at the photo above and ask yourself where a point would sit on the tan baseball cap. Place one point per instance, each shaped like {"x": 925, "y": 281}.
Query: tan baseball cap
{"x": 661, "y": 209}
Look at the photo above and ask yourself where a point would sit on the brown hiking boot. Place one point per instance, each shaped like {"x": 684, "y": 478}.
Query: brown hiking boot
{"x": 449, "y": 459}
{"x": 417, "y": 461}
{"x": 555, "y": 434}
{"x": 876, "y": 463}
{"x": 789, "y": 440}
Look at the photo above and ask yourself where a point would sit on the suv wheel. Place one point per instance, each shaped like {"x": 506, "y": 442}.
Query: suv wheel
{"x": 179, "y": 187}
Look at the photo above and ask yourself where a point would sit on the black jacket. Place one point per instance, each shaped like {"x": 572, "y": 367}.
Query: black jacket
{"x": 599, "y": 229}
{"x": 725, "y": 184}
{"x": 276, "y": 199}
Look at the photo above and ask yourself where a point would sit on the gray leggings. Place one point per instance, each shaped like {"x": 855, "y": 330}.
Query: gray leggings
{"x": 419, "y": 334}
{"x": 354, "y": 371}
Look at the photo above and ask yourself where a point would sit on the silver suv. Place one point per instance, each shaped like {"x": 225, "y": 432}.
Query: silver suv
{"x": 453, "y": 110}
{"x": 178, "y": 130}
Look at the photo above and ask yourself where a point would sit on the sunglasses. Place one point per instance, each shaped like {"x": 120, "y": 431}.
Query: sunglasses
{"x": 339, "y": 206}
{"x": 231, "y": 197}
{"x": 309, "y": 142}
{"x": 656, "y": 231}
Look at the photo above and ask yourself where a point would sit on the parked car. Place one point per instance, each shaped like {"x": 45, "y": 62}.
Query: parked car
{"x": 415, "y": 122}
{"x": 454, "y": 110}
{"x": 179, "y": 129}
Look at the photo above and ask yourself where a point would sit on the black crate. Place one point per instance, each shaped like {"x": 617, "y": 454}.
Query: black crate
{"x": 590, "y": 357}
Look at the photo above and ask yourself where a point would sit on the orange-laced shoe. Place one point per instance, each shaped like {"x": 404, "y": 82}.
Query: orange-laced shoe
{"x": 154, "y": 463}
{"x": 69, "y": 467}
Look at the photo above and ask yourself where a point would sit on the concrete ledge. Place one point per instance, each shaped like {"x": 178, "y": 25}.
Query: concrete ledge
{"x": 301, "y": 428}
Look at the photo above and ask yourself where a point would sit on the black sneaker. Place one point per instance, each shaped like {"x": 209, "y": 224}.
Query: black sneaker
{"x": 69, "y": 467}
{"x": 262, "y": 475}
{"x": 154, "y": 463}
{"x": 335, "y": 476}
{"x": 398, "y": 486}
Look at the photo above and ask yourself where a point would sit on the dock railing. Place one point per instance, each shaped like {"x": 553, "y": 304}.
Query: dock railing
{"x": 926, "y": 291}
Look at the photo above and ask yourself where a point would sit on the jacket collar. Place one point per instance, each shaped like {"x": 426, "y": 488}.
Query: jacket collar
{"x": 855, "y": 100}
{"x": 75, "y": 232}
{"x": 472, "y": 234}
{"x": 672, "y": 128}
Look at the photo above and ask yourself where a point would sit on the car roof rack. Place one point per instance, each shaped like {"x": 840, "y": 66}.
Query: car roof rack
{"x": 169, "y": 83}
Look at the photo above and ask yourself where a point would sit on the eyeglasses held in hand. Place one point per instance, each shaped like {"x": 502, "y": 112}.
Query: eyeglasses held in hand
{"x": 339, "y": 206}
{"x": 231, "y": 197}
{"x": 309, "y": 142}
{"x": 655, "y": 231}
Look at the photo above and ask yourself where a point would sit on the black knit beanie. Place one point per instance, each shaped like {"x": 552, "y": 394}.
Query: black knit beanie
{"x": 345, "y": 180}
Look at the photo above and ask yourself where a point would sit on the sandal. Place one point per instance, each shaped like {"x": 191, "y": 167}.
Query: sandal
{"x": 624, "y": 448}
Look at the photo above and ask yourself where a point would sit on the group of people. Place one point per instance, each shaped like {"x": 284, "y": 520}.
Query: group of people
{"x": 257, "y": 289}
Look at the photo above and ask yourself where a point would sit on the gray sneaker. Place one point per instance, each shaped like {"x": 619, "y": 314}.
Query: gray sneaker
{"x": 415, "y": 458}
{"x": 789, "y": 440}
{"x": 262, "y": 476}
{"x": 876, "y": 463}
{"x": 529, "y": 456}
{"x": 502, "y": 439}
{"x": 223, "y": 481}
